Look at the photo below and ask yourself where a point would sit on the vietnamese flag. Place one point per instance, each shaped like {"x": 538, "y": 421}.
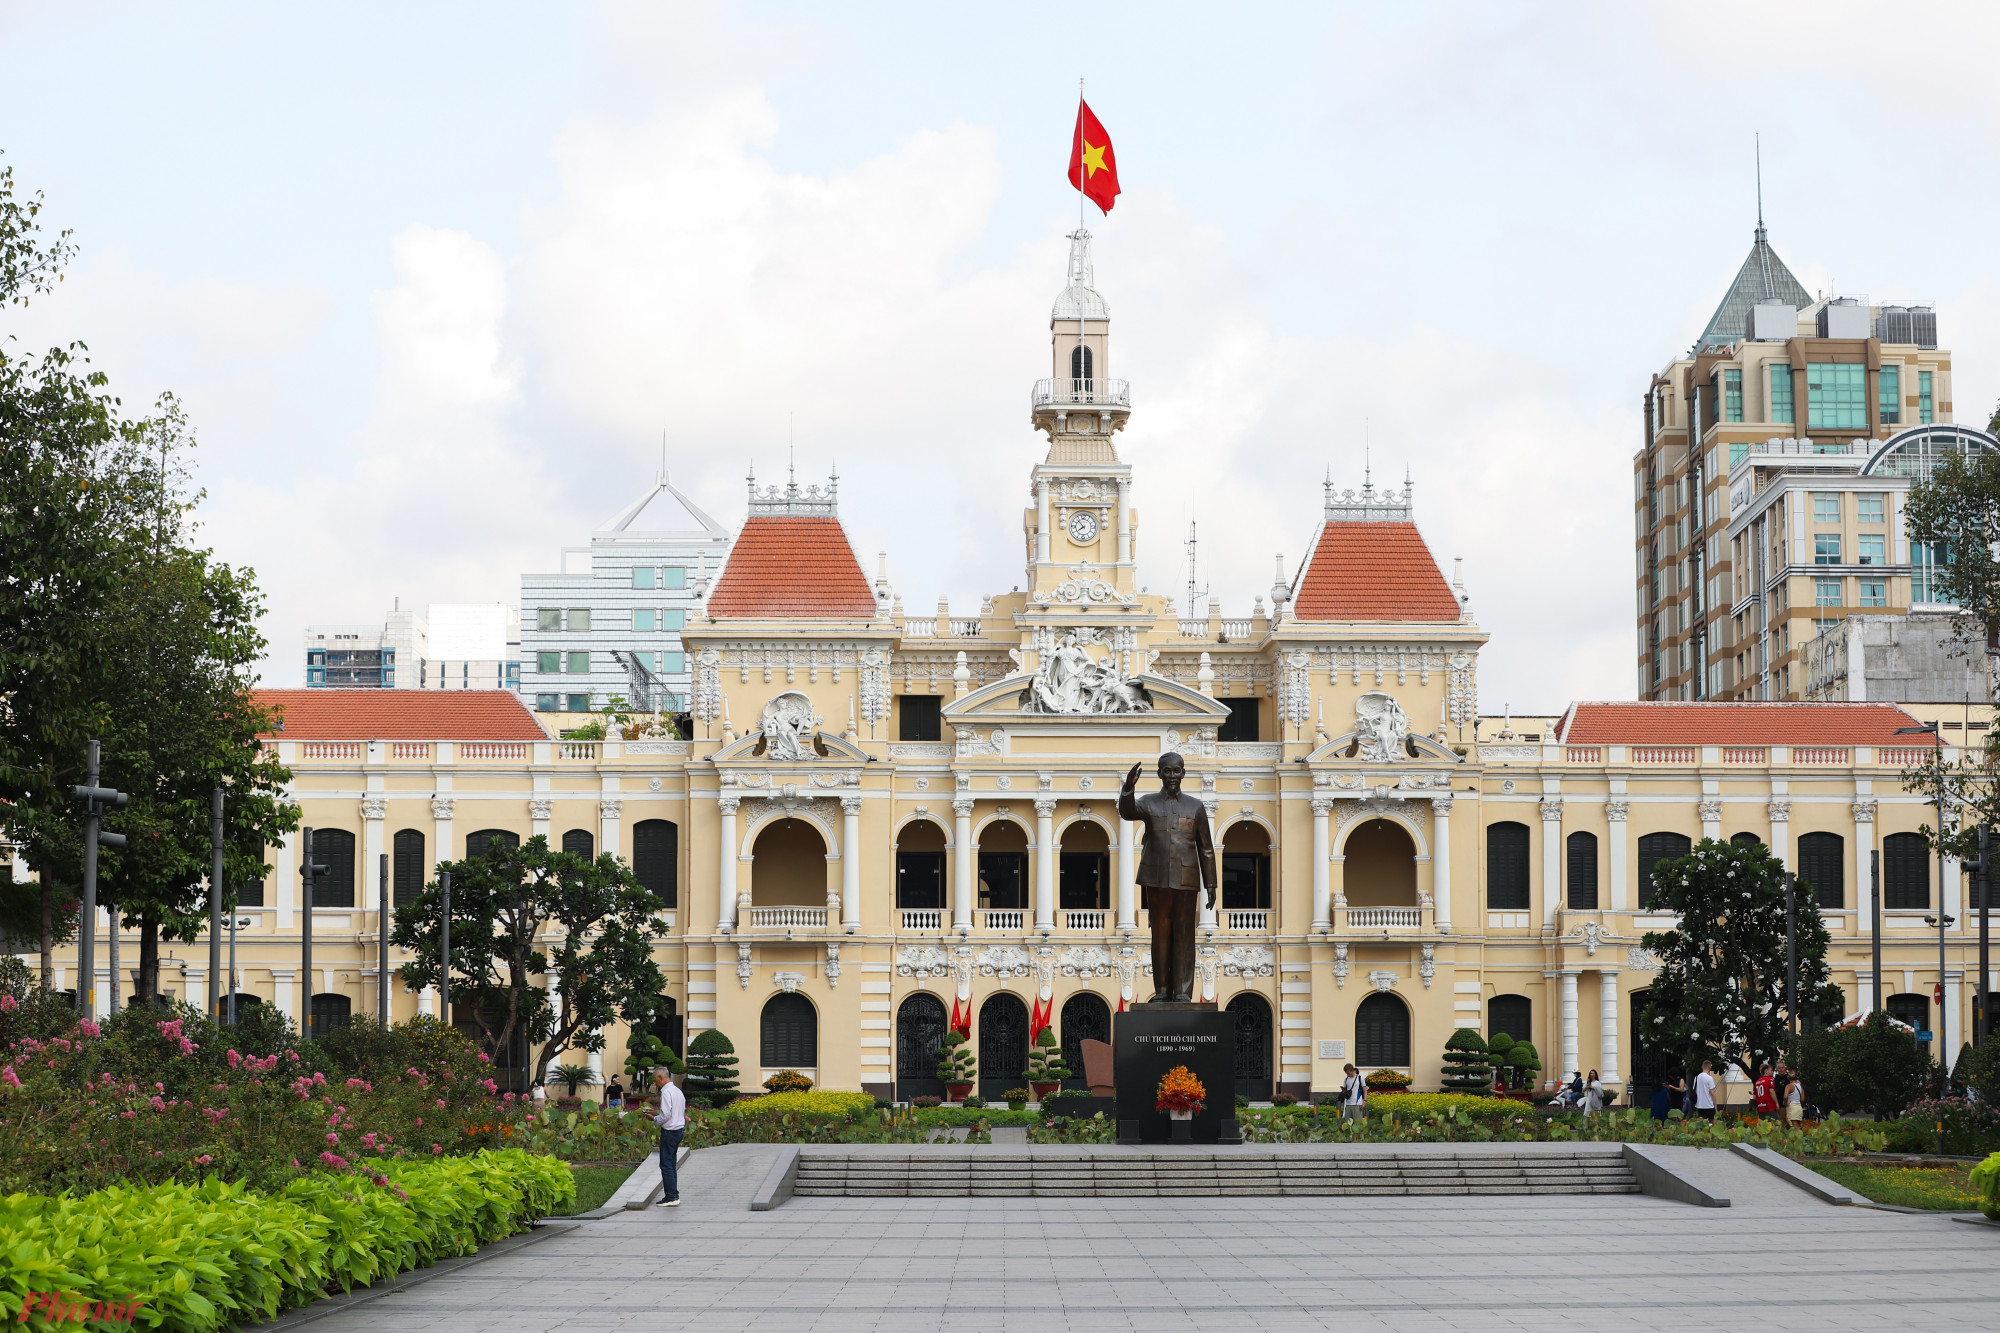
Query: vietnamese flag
{"x": 1039, "y": 1019}
{"x": 1093, "y": 167}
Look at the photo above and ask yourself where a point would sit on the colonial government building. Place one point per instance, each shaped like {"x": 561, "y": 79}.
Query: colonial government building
{"x": 879, "y": 816}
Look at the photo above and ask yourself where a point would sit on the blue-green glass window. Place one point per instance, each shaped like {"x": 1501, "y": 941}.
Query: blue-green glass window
{"x": 645, "y": 619}
{"x": 1826, "y": 506}
{"x": 579, "y": 664}
{"x": 1923, "y": 398}
{"x": 549, "y": 662}
{"x": 1870, "y": 506}
{"x": 579, "y": 703}
{"x": 1869, "y": 549}
{"x": 1732, "y": 395}
{"x": 672, "y": 618}
{"x": 1837, "y": 396}
{"x": 1874, "y": 592}
{"x": 673, "y": 576}
{"x": 1889, "y": 395}
{"x": 1925, "y": 559}
{"x": 672, "y": 662}
{"x": 642, "y": 576}
{"x": 1826, "y": 592}
{"x": 1738, "y": 451}
{"x": 548, "y": 703}
{"x": 1826, "y": 548}
{"x": 1781, "y": 392}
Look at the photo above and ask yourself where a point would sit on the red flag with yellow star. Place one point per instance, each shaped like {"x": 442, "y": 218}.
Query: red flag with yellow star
{"x": 1093, "y": 167}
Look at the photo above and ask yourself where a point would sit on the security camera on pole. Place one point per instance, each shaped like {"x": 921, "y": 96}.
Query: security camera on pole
{"x": 96, "y": 800}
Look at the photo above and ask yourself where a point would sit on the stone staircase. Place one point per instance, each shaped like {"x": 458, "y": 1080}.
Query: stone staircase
{"x": 1243, "y": 1171}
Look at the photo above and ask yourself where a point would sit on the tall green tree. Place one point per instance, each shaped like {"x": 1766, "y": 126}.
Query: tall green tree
{"x": 584, "y": 927}
{"x": 1957, "y": 509}
{"x": 1720, "y": 991}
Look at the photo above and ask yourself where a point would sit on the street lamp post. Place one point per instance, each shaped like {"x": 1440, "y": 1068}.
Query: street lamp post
{"x": 1943, "y": 1047}
{"x": 309, "y": 872}
{"x": 382, "y": 954}
{"x": 96, "y": 800}
{"x": 1791, "y": 954}
{"x": 234, "y": 922}
{"x": 444, "y": 948}
{"x": 215, "y": 890}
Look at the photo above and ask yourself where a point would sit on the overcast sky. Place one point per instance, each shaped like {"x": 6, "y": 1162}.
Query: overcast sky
{"x": 433, "y": 280}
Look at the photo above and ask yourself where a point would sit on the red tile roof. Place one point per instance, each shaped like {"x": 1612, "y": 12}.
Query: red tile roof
{"x": 1736, "y": 724}
{"x": 1373, "y": 571}
{"x": 407, "y": 715}
{"x": 792, "y": 567}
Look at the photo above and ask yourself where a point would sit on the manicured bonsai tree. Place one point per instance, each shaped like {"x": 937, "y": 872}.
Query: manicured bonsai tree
{"x": 711, "y": 1067}
{"x": 1465, "y": 1067}
{"x": 1523, "y": 1063}
{"x": 1045, "y": 1059}
{"x": 956, "y": 1063}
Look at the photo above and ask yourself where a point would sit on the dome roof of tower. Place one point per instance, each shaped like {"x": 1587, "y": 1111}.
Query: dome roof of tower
{"x": 1080, "y": 302}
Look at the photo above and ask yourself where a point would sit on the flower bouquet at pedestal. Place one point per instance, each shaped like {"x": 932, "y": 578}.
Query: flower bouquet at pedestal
{"x": 1180, "y": 1095}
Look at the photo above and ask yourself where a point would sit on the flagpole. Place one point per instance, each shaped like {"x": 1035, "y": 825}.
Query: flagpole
{"x": 1082, "y": 175}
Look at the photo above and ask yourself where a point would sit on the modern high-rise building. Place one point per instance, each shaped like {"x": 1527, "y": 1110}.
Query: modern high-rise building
{"x": 451, "y": 646}
{"x": 1768, "y": 492}
{"x": 609, "y": 625}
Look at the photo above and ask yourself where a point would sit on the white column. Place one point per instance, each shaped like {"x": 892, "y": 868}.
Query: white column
{"x": 281, "y": 979}
{"x": 1569, "y": 1064}
{"x": 1954, "y": 879}
{"x": 1710, "y": 810}
{"x": 1322, "y": 899}
{"x": 1864, "y": 842}
{"x": 1045, "y": 863}
{"x": 962, "y": 850}
{"x": 197, "y": 988}
{"x": 373, "y": 891}
{"x": 1619, "y": 854}
{"x": 427, "y": 1001}
{"x": 1946, "y": 1017}
{"x": 1042, "y": 521}
{"x": 284, "y": 874}
{"x": 1128, "y": 911}
{"x": 850, "y": 862}
{"x": 595, "y": 1061}
{"x": 1864, "y": 989}
{"x": 1781, "y": 831}
{"x": 441, "y": 845}
{"x": 1124, "y": 524}
{"x": 1441, "y": 862}
{"x": 609, "y": 812}
{"x": 1607, "y": 1025}
{"x": 725, "y": 866}
{"x": 1552, "y": 859}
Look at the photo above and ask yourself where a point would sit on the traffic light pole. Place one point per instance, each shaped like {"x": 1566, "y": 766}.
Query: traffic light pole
{"x": 215, "y": 893}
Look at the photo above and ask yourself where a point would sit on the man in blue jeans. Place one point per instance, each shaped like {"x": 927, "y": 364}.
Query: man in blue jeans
{"x": 672, "y": 1120}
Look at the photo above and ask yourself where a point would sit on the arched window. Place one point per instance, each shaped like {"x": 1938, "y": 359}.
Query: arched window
{"x": 920, "y": 1029}
{"x": 1912, "y": 1009}
{"x": 1507, "y": 867}
{"x": 477, "y": 843}
{"x": 1582, "y": 872}
{"x": 411, "y": 870}
{"x": 1080, "y": 359}
{"x": 656, "y": 858}
{"x": 1746, "y": 839}
{"x": 1246, "y": 866}
{"x": 788, "y": 865}
{"x": 1083, "y": 867}
{"x": 1382, "y": 1033}
{"x": 1252, "y": 1013}
{"x": 334, "y": 849}
{"x": 790, "y": 1037}
{"x": 1085, "y": 1017}
{"x": 1003, "y": 1045}
{"x": 578, "y": 842}
{"x": 1381, "y": 865}
{"x": 920, "y": 865}
{"x": 1513, "y": 1015}
{"x": 329, "y": 1011}
{"x": 1003, "y": 866}
{"x": 1823, "y": 865}
{"x": 1906, "y": 872}
{"x": 1653, "y": 849}
{"x": 244, "y": 1003}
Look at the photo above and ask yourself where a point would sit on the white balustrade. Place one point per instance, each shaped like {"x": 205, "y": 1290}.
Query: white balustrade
{"x": 1245, "y": 918}
{"x": 788, "y": 918}
{"x": 1088, "y": 919}
{"x": 923, "y": 918}
{"x": 1236, "y": 629}
{"x": 1384, "y": 918}
{"x": 568, "y": 750}
{"x": 409, "y": 749}
{"x": 1004, "y": 918}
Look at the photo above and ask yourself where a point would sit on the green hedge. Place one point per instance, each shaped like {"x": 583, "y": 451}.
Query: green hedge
{"x": 838, "y": 1106}
{"x": 214, "y": 1255}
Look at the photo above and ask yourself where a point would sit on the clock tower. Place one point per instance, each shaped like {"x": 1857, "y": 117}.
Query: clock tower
{"x": 1081, "y": 526}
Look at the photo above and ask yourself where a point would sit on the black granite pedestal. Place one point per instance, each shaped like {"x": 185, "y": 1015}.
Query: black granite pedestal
{"x": 1149, "y": 1039}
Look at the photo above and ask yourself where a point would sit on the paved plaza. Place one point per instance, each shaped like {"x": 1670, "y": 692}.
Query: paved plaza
{"x": 1777, "y": 1258}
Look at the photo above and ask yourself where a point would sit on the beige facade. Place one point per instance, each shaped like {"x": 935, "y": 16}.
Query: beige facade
{"x": 882, "y": 816}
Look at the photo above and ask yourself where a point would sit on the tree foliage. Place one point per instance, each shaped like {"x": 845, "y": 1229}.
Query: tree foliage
{"x": 1957, "y": 508}
{"x": 1720, "y": 991}
{"x": 711, "y": 1067}
{"x": 1872, "y": 1065}
{"x": 505, "y": 903}
{"x": 1465, "y": 1064}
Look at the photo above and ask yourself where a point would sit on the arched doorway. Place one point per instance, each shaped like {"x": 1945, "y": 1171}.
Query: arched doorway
{"x": 1003, "y": 1045}
{"x": 330, "y": 1011}
{"x": 1381, "y": 866}
{"x": 1003, "y": 866}
{"x": 1083, "y": 872}
{"x": 920, "y": 865}
{"x": 789, "y": 1038}
{"x": 788, "y": 866}
{"x": 1652, "y": 1067}
{"x": 1382, "y": 1033}
{"x": 1252, "y": 1013}
{"x": 666, "y": 1023}
{"x": 1246, "y": 867}
{"x": 1085, "y": 1017}
{"x": 920, "y": 1029}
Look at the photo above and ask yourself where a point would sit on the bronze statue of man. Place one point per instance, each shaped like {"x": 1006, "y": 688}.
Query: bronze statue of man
{"x": 1176, "y": 862}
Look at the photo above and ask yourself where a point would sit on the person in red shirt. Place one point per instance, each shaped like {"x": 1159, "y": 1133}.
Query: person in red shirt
{"x": 1766, "y": 1091}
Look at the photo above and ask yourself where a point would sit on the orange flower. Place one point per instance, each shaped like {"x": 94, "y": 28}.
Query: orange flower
{"x": 1179, "y": 1090}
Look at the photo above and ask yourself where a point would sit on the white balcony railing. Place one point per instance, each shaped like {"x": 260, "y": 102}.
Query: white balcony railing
{"x": 1236, "y": 629}
{"x": 515, "y": 750}
{"x": 409, "y": 749}
{"x": 1194, "y": 629}
{"x": 1247, "y": 918}
{"x": 579, "y": 749}
{"x": 1745, "y": 754}
{"x": 1819, "y": 754}
{"x": 1384, "y": 918}
{"x": 329, "y": 749}
{"x": 923, "y": 918}
{"x": 1088, "y": 919}
{"x": 1663, "y": 754}
{"x": 1903, "y": 756}
{"x": 1086, "y": 393}
{"x": 788, "y": 918}
{"x": 1003, "y": 918}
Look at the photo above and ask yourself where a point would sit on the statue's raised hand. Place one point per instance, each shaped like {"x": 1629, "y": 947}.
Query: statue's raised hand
{"x": 1132, "y": 778}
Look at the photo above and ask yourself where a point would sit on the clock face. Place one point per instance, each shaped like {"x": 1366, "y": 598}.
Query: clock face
{"x": 1083, "y": 527}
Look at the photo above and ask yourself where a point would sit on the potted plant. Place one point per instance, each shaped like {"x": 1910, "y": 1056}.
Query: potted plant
{"x": 956, "y": 1066}
{"x": 1180, "y": 1095}
{"x": 1017, "y": 1099}
{"x": 1046, "y": 1069}
{"x": 1388, "y": 1080}
{"x": 788, "y": 1080}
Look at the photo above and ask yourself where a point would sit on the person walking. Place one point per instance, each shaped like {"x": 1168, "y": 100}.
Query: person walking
{"x": 1764, "y": 1092}
{"x": 1704, "y": 1091}
{"x": 614, "y": 1096}
{"x": 1795, "y": 1100}
{"x": 1353, "y": 1095}
{"x": 1593, "y": 1094}
{"x": 672, "y": 1120}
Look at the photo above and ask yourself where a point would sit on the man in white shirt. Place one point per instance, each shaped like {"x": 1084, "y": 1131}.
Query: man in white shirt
{"x": 672, "y": 1120}
{"x": 1704, "y": 1091}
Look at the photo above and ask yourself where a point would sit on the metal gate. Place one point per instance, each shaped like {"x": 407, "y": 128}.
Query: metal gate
{"x": 1003, "y": 1045}
{"x": 920, "y": 1029}
{"x": 1085, "y": 1017}
{"x": 1253, "y": 1046}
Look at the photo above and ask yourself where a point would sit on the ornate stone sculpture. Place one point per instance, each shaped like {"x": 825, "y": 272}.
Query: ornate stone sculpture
{"x": 1069, "y": 680}
{"x": 789, "y": 725}
{"x": 1381, "y": 727}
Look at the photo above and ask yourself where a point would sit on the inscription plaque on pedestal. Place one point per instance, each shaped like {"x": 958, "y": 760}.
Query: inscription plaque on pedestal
{"x": 1147, "y": 1041}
